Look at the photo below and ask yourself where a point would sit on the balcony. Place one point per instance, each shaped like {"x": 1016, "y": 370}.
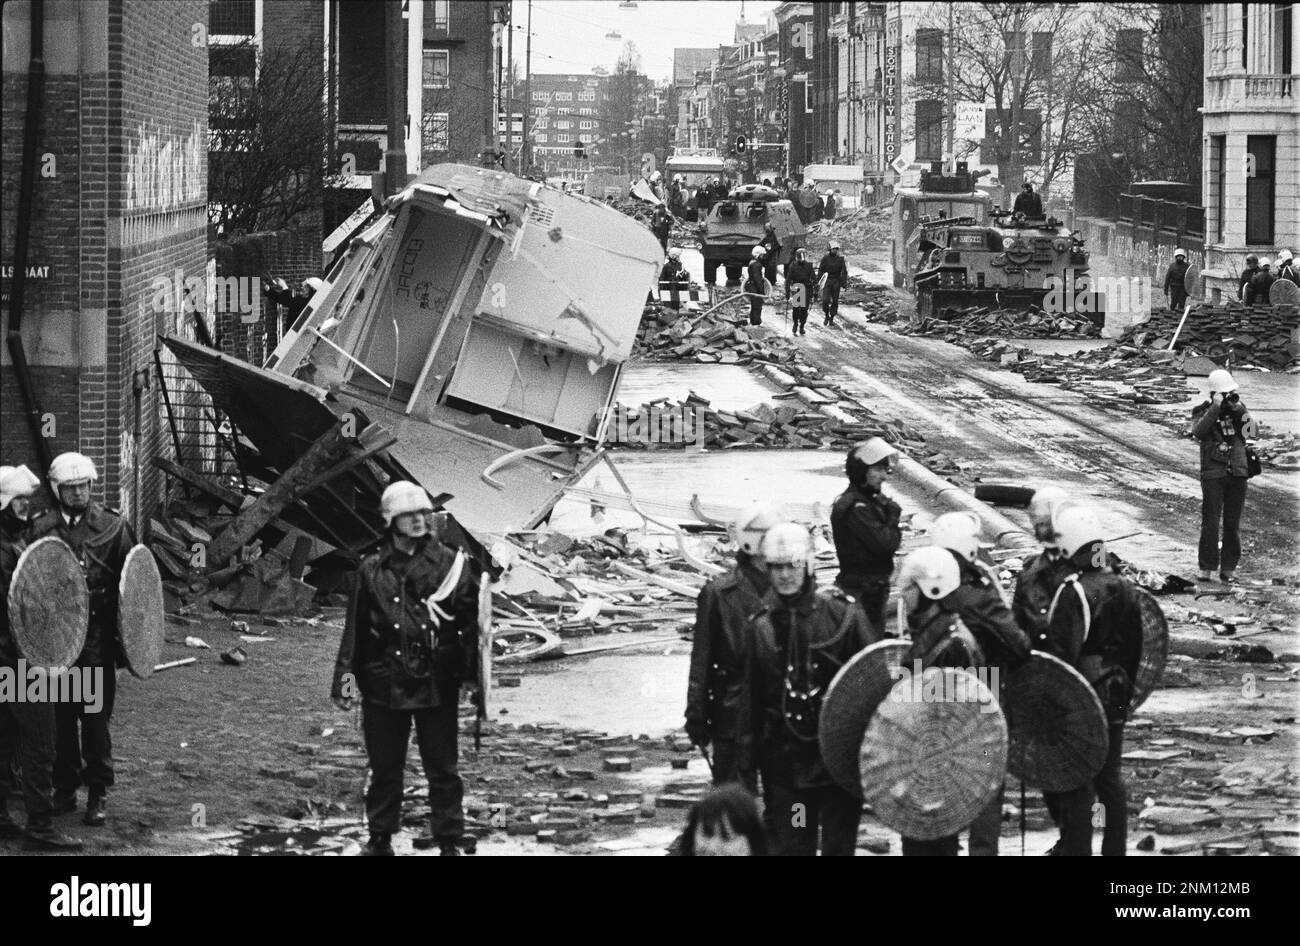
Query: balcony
{"x": 1252, "y": 93}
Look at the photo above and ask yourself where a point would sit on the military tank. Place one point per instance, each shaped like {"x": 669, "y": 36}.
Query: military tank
{"x": 1016, "y": 262}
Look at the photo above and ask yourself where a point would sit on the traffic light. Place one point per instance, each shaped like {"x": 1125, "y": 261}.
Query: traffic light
{"x": 742, "y": 143}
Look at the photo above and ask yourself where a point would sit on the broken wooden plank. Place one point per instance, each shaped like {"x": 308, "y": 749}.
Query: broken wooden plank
{"x": 676, "y": 587}
{"x": 322, "y": 454}
{"x": 229, "y": 497}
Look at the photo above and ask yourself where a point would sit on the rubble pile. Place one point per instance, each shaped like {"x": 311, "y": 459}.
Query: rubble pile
{"x": 1005, "y": 323}
{"x": 1259, "y": 336}
{"x": 763, "y": 425}
{"x": 859, "y": 231}
{"x": 712, "y": 338}
{"x": 878, "y": 303}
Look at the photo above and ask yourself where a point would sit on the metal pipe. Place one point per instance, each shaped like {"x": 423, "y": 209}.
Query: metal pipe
{"x": 22, "y": 233}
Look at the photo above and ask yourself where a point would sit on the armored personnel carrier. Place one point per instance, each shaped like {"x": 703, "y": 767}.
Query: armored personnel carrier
{"x": 735, "y": 226}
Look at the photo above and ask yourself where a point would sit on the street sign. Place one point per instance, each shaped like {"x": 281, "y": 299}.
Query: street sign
{"x": 742, "y": 143}
{"x": 900, "y": 164}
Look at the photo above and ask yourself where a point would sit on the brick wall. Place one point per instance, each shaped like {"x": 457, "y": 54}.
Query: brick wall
{"x": 293, "y": 255}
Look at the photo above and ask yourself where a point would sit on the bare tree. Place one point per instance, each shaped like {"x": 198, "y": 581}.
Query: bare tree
{"x": 1025, "y": 63}
{"x": 621, "y": 110}
{"x": 268, "y": 145}
{"x": 1144, "y": 98}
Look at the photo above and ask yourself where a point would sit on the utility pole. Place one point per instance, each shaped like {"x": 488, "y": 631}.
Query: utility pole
{"x": 395, "y": 155}
{"x": 952, "y": 104}
{"x": 510, "y": 87}
{"x": 526, "y": 147}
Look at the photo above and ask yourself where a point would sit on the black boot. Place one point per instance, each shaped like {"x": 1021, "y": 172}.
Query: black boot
{"x": 42, "y": 836}
{"x": 449, "y": 849}
{"x": 379, "y": 845}
{"x": 65, "y": 802}
{"x": 96, "y": 808}
{"x": 9, "y": 829}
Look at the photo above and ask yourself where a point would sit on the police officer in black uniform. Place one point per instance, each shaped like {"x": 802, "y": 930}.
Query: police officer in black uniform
{"x": 865, "y": 526}
{"x": 410, "y": 641}
{"x": 101, "y": 539}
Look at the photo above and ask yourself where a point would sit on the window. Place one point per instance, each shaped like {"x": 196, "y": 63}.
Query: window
{"x": 929, "y": 130}
{"x": 541, "y": 139}
{"x": 587, "y": 95}
{"x": 562, "y": 139}
{"x": 1245, "y": 32}
{"x": 436, "y": 131}
{"x": 562, "y": 123}
{"x": 539, "y": 96}
{"x": 1015, "y": 50}
{"x": 1282, "y": 40}
{"x": 1217, "y": 181}
{"x": 929, "y": 55}
{"x": 587, "y": 124}
{"x": 1259, "y": 190}
{"x": 1128, "y": 56}
{"x": 439, "y": 15}
{"x": 232, "y": 17}
{"x": 564, "y": 96}
{"x": 437, "y": 69}
{"x": 1040, "y": 60}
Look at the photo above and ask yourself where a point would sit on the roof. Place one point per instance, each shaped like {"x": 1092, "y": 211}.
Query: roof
{"x": 686, "y": 62}
{"x": 749, "y": 32}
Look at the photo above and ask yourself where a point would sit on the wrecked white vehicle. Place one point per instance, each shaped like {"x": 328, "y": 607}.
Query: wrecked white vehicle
{"x": 483, "y": 320}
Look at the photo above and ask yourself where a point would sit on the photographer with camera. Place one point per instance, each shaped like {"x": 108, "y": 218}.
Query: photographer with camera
{"x": 1223, "y": 425}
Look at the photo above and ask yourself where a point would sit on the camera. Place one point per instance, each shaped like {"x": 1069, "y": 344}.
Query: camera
{"x": 1232, "y": 397}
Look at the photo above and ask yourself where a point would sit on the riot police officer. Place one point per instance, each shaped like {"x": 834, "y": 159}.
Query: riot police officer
{"x": 100, "y": 539}
{"x": 410, "y": 641}
{"x": 865, "y": 526}
{"x": 718, "y": 697}
{"x": 801, "y": 639}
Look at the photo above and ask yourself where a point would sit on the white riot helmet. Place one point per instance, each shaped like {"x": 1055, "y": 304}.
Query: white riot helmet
{"x": 1265, "y": 262}
{"x": 788, "y": 543}
{"x": 748, "y": 528}
{"x": 1221, "y": 382}
{"x": 1076, "y": 526}
{"x": 1180, "y": 252}
{"x": 16, "y": 481}
{"x": 957, "y": 532}
{"x": 1284, "y": 257}
{"x": 675, "y": 253}
{"x": 933, "y": 571}
{"x": 312, "y": 285}
{"x": 1042, "y": 506}
{"x": 757, "y": 251}
{"x": 69, "y": 468}
{"x": 402, "y": 497}
{"x": 868, "y": 453}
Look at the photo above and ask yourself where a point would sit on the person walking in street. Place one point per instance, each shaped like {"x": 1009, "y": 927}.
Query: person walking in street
{"x": 661, "y": 225}
{"x": 1175, "y": 280}
{"x": 772, "y": 248}
{"x": 1257, "y": 290}
{"x": 830, "y": 206}
{"x": 978, "y": 601}
{"x": 1028, "y": 202}
{"x": 951, "y": 624}
{"x": 410, "y": 642}
{"x": 1247, "y": 274}
{"x": 801, "y": 638}
{"x": 1222, "y": 425}
{"x": 756, "y": 286}
{"x": 27, "y": 728}
{"x": 100, "y": 539}
{"x": 719, "y": 694}
{"x": 865, "y": 527}
{"x": 833, "y": 274}
{"x": 1095, "y": 625}
{"x": 799, "y": 275}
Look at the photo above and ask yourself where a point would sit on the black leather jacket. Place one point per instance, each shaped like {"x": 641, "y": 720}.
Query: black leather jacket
{"x": 1032, "y": 599}
{"x": 718, "y": 691}
{"x": 398, "y": 656}
{"x": 799, "y": 646}
{"x": 867, "y": 534}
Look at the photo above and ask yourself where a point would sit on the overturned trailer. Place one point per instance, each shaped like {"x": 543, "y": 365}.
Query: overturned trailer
{"x": 483, "y": 322}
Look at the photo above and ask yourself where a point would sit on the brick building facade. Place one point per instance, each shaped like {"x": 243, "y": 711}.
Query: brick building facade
{"x": 119, "y": 202}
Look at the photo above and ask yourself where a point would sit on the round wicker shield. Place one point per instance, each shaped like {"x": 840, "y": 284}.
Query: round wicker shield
{"x": 1155, "y": 649}
{"x": 1192, "y": 280}
{"x": 1057, "y": 725}
{"x": 49, "y": 604}
{"x": 934, "y": 754}
{"x": 1284, "y": 292}
{"x": 848, "y": 704}
{"x": 140, "y": 619}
